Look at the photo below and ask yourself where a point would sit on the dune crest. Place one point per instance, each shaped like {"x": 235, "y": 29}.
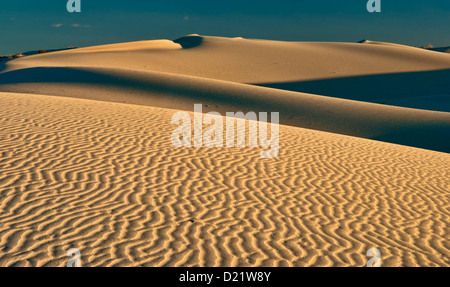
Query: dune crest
{"x": 248, "y": 61}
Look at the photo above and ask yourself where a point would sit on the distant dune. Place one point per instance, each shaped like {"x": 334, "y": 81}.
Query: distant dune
{"x": 87, "y": 161}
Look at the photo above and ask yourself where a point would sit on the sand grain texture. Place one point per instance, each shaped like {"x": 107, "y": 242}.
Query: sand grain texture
{"x": 104, "y": 178}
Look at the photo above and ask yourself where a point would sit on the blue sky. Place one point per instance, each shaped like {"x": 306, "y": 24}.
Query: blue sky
{"x": 30, "y": 25}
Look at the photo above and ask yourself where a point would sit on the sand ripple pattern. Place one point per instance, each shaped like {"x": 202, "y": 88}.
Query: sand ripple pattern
{"x": 104, "y": 178}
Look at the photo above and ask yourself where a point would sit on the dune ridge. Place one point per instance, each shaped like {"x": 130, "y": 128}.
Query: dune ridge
{"x": 247, "y": 60}
{"x": 419, "y": 128}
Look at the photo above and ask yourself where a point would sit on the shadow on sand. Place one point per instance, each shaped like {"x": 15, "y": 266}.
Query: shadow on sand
{"x": 423, "y": 129}
{"x": 189, "y": 42}
{"x": 374, "y": 88}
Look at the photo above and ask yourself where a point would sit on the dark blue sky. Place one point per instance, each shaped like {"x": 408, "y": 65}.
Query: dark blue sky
{"x": 44, "y": 24}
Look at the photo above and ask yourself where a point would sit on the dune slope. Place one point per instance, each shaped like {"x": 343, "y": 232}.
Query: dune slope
{"x": 214, "y": 71}
{"x": 419, "y": 128}
{"x": 104, "y": 178}
{"x": 247, "y": 60}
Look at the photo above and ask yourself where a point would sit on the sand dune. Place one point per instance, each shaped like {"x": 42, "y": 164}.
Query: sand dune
{"x": 214, "y": 70}
{"x": 419, "y": 128}
{"x": 104, "y": 178}
{"x": 87, "y": 160}
{"x": 247, "y": 61}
